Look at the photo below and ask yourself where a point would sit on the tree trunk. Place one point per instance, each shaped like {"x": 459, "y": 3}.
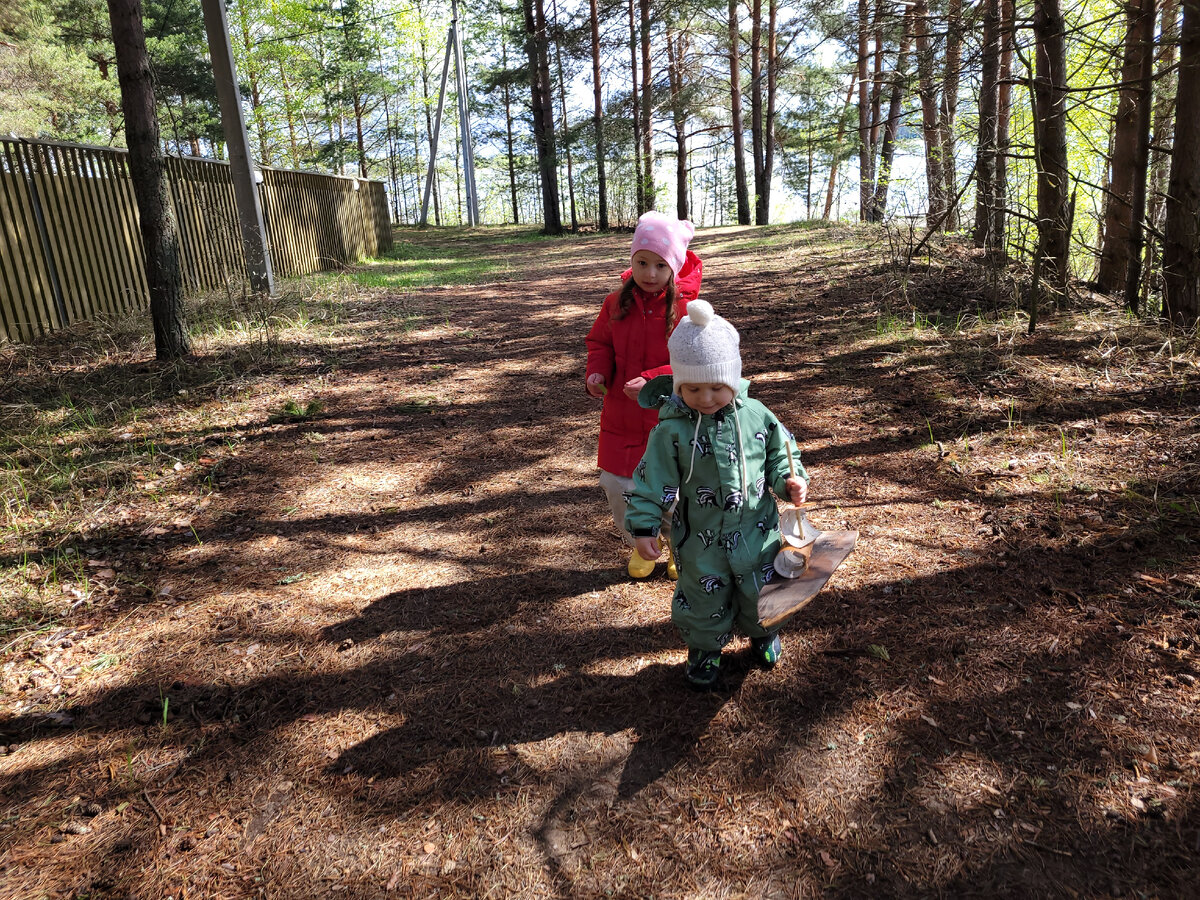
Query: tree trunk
{"x": 437, "y": 205}
{"x": 458, "y": 175}
{"x": 866, "y": 153}
{"x": 809, "y": 169}
{"x": 289, "y": 112}
{"x": 1118, "y": 211}
{"x": 636, "y": 117}
{"x": 1181, "y": 241}
{"x": 735, "y": 101}
{"x": 892, "y": 125}
{"x": 1050, "y": 94}
{"x": 756, "y": 101}
{"x": 508, "y": 126}
{"x": 147, "y": 171}
{"x": 950, "y": 109}
{"x": 598, "y": 119}
{"x": 1003, "y": 117}
{"x": 763, "y": 210}
{"x": 1141, "y": 158}
{"x": 934, "y": 177}
{"x": 676, "y": 49}
{"x": 393, "y": 176}
{"x": 876, "y": 84}
{"x": 562, "y": 94}
{"x": 647, "y": 99}
{"x": 1164, "y": 113}
{"x": 360, "y": 142}
{"x": 985, "y": 161}
{"x": 542, "y": 106}
{"x": 837, "y": 151}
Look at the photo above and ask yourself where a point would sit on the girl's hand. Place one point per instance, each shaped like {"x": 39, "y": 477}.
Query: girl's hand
{"x": 649, "y": 548}
{"x": 797, "y": 489}
{"x": 595, "y": 385}
{"x": 634, "y": 386}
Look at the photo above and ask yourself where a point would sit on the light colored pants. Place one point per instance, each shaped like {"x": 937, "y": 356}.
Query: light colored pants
{"x": 615, "y": 488}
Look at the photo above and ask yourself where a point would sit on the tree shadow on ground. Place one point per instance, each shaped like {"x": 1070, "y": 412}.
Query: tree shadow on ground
{"x": 453, "y": 720}
{"x": 910, "y": 709}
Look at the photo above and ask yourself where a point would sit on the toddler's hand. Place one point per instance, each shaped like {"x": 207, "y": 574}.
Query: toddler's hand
{"x": 595, "y": 385}
{"x": 797, "y": 489}
{"x": 633, "y": 387}
{"x": 649, "y": 548}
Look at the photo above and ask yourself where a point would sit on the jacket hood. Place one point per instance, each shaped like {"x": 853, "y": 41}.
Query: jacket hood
{"x": 659, "y": 393}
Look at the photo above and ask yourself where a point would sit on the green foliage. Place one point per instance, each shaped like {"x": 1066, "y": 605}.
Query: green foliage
{"x": 48, "y": 85}
{"x": 183, "y": 81}
{"x": 351, "y": 86}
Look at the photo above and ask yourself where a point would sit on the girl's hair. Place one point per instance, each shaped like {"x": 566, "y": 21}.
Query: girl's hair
{"x": 625, "y": 302}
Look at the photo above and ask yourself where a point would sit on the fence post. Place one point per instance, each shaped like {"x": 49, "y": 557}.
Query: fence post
{"x": 241, "y": 167}
{"x": 35, "y": 202}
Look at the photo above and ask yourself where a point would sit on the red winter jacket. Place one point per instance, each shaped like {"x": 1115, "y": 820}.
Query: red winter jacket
{"x": 625, "y": 348}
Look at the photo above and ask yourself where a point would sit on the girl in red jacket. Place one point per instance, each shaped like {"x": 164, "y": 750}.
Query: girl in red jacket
{"x": 627, "y": 346}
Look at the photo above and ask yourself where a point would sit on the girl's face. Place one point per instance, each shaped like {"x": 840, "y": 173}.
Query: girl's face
{"x": 706, "y": 398}
{"x": 650, "y": 271}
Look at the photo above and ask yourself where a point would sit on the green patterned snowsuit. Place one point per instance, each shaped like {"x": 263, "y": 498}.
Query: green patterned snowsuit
{"x": 716, "y": 470}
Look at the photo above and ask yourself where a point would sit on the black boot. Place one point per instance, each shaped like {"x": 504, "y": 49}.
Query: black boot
{"x": 703, "y": 668}
{"x": 767, "y": 650}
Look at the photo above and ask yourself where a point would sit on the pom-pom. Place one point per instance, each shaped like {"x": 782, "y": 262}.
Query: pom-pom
{"x": 700, "y": 312}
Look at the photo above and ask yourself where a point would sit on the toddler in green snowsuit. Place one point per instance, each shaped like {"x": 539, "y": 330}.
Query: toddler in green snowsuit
{"x": 713, "y": 461}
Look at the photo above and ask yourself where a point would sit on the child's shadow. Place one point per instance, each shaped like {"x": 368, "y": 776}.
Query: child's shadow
{"x": 447, "y": 750}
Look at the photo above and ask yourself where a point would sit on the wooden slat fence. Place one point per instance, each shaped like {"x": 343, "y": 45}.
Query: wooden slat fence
{"x": 70, "y": 247}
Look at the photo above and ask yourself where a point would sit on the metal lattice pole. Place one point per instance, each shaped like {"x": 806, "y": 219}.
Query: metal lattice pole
{"x": 454, "y": 45}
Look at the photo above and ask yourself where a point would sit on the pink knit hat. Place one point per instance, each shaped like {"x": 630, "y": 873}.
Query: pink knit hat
{"x": 665, "y": 236}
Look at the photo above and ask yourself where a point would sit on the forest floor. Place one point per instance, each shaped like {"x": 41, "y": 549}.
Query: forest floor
{"x": 335, "y": 609}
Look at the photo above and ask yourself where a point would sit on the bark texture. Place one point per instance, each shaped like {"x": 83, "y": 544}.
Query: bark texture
{"x": 866, "y": 154}
{"x": 984, "y": 234}
{"x": 930, "y": 131}
{"x": 1118, "y": 209}
{"x": 598, "y": 119}
{"x": 676, "y": 55}
{"x": 741, "y": 186}
{"x": 542, "y": 104}
{"x": 147, "y": 171}
{"x": 891, "y": 125}
{"x": 647, "y": 101}
{"x": 1181, "y": 242}
{"x": 1050, "y": 94}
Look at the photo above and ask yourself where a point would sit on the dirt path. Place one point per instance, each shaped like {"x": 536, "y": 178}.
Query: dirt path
{"x": 390, "y": 649}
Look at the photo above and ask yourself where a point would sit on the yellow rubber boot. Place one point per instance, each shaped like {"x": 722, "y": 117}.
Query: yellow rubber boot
{"x": 639, "y": 567}
{"x": 672, "y": 571}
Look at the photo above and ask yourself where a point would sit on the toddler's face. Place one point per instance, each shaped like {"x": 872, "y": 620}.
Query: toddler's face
{"x": 706, "y": 398}
{"x": 650, "y": 271}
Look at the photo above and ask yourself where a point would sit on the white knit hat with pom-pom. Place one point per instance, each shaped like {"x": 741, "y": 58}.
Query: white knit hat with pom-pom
{"x": 705, "y": 349}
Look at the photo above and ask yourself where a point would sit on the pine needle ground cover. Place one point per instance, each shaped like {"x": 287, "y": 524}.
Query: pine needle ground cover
{"x": 335, "y": 610}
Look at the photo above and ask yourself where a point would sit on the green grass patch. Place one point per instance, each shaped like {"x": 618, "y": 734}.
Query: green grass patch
{"x": 291, "y": 411}
{"x": 412, "y": 265}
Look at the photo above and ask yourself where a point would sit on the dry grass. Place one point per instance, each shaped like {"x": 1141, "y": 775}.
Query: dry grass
{"x": 334, "y": 610}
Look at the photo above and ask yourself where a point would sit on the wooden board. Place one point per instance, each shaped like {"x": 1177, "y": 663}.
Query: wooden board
{"x": 787, "y": 596}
